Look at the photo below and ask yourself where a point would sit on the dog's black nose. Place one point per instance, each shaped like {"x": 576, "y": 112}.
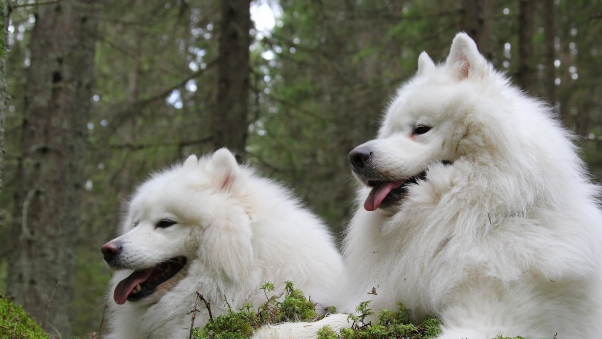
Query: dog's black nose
{"x": 110, "y": 250}
{"x": 360, "y": 157}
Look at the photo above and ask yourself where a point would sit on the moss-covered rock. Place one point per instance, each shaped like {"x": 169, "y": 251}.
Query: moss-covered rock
{"x": 15, "y": 323}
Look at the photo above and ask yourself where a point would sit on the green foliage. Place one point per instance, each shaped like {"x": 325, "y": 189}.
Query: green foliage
{"x": 15, "y": 323}
{"x": 241, "y": 324}
{"x": 233, "y": 325}
{"x": 327, "y": 333}
{"x": 295, "y": 307}
{"x": 388, "y": 325}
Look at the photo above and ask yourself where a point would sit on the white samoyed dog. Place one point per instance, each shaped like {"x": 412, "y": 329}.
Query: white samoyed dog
{"x": 212, "y": 226}
{"x": 476, "y": 209}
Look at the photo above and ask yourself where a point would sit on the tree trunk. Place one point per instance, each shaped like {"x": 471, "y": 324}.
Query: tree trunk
{"x": 550, "y": 51}
{"x": 526, "y": 65}
{"x": 477, "y": 21}
{"x": 229, "y": 120}
{"x": 3, "y": 89}
{"x": 57, "y": 105}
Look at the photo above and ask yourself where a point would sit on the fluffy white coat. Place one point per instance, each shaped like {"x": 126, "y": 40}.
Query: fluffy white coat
{"x": 506, "y": 240}
{"x": 237, "y": 231}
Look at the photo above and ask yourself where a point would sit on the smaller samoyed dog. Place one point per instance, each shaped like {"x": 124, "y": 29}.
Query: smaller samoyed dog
{"x": 475, "y": 208}
{"x": 212, "y": 226}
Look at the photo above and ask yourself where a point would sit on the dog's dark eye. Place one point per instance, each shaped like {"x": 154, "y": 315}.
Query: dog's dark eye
{"x": 165, "y": 223}
{"x": 421, "y": 129}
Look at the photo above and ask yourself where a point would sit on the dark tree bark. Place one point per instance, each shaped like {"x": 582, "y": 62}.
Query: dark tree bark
{"x": 477, "y": 21}
{"x": 3, "y": 89}
{"x": 57, "y": 106}
{"x": 526, "y": 30}
{"x": 229, "y": 120}
{"x": 550, "y": 50}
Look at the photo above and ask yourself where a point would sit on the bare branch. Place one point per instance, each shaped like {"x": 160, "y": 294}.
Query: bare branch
{"x": 195, "y": 310}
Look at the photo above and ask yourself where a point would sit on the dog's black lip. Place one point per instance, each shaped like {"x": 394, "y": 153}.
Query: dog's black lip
{"x": 148, "y": 288}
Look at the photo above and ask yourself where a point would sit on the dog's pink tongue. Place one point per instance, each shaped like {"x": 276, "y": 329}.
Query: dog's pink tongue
{"x": 125, "y": 287}
{"x": 379, "y": 193}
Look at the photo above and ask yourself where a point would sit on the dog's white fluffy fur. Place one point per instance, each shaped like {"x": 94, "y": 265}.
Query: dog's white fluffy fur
{"x": 505, "y": 240}
{"x": 237, "y": 231}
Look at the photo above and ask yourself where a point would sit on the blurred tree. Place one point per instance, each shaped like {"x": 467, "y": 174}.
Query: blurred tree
{"x": 3, "y": 89}
{"x": 549, "y": 27}
{"x": 229, "y": 119}
{"x": 477, "y": 21}
{"x": 56, "y": 103}
{"x": 526, "y": 61}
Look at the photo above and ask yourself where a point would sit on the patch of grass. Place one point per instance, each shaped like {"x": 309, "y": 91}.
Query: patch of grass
{"x": 15, "y": 323}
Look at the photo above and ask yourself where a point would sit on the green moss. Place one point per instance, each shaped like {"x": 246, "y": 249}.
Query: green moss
{"x": 233, "y": 325}
{"x": 296, "y": 307}
{"x": 241, "y": 324}
{"x": 327, "y": 333}
{"x": 389, "y": 325}
{"x": 15, "y": 323}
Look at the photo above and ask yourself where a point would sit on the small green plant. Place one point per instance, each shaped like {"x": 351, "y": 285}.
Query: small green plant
{"x": 241, "y": 324}
{"x": 388, "y": 325}
{"x": 292, "y": 305}
{"x": 15, "y": 323}
{"x": 233, "y": 325}
{"x": 327, "y": 333}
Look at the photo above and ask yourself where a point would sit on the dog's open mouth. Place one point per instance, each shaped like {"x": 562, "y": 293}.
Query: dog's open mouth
{"x": 142, "y": 283}
{"x": 386, "y": 193}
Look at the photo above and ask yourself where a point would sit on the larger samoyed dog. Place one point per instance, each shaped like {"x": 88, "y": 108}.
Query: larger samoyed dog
{"x": 211, "y": 226}
{"x": 476, "y": 209}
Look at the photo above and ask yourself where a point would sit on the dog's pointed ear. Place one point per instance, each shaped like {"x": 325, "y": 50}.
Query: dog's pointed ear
{"x": 464, "y": 59}
{"x": 425, "y": 63}
{"x": 226, "y": 167}
{"x": 191, "y": 161}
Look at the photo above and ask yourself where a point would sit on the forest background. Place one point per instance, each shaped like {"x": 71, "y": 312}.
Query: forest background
{"x": 95, "y": 95}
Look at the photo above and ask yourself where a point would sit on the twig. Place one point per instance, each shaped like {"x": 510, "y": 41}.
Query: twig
{"x": 195, "y": 310}
{"x": 207, "y": 304}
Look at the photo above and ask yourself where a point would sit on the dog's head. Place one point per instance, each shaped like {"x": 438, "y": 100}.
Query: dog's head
{"x": 428, "y": 122}
{"x": 187, "y": 213}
